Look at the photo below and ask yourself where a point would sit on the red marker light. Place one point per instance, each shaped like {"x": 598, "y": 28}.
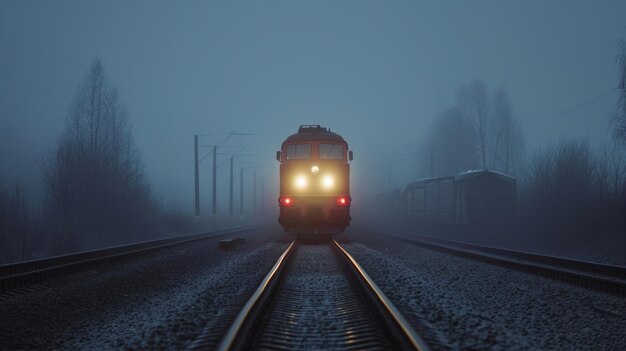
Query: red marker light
{"x": 343, "y": 201}
{"x": 285, "y": 201}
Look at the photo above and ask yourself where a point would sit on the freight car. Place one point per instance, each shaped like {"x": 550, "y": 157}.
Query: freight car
{"x": 478, "y": 201}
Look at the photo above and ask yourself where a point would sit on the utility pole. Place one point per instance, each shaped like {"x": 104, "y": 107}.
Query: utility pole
{"x": 232, "y": 181}
{"x": 257, "y": 202}
{"x": 241, "y": 192}
{"x": 197, "y": 161}
{"x": 432, "y": 162}
{"x": 197, "y": 175}
{"x": 254, "y": 195}
{"x": 230, "y": 205}
{"x": 389, "y": 174}
{"x": 262, "y": 199}
{"x": 214, "y": 202}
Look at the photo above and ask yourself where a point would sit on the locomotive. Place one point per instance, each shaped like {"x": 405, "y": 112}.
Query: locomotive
{"x": 314, "y": 182}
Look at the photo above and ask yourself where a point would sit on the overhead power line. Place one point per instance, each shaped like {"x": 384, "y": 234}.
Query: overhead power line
{"x": 570, "y": 109}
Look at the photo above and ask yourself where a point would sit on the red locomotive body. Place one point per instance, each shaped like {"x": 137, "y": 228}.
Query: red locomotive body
{"x": 314, "y": 182}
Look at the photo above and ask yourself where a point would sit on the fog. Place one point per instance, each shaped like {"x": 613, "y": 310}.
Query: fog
{"x": 376, "y": 72}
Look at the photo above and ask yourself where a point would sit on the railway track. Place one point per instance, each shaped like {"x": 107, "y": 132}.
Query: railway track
{"x": 318, "y": 297}
{"x": 602, "y": 277}
{"x": 25, "y": 273}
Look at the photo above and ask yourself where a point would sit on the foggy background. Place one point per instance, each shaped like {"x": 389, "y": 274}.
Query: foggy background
{"x": 378, "y": 73}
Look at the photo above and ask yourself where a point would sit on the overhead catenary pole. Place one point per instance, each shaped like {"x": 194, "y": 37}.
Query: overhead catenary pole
{"x": 214, "y": 200}
{"x": 262, "y": 198}
{"x": 241, "y": 192}
{"x": 197, "y": 161}
{"x": 389, "y": 174}
{"x": 432, "y": 162}
{"x": 254, "y": 195}
{"x": 230, "y": 205}
{"x": 232, "y": 181}
{"x": 197, "y": 175}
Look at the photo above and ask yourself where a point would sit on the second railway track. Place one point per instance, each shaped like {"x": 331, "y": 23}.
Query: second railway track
{"x": 21, "y": 274}
{"x": 601, "y": 277}
{"x": 318, "y": 297}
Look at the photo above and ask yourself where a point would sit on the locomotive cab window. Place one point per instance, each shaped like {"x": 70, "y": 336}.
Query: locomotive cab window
{"x": 298, "y": 151}
{"x": 331, "y": 151}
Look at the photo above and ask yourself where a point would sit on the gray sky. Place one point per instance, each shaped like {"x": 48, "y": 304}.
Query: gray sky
{"x": 376, "y": 72}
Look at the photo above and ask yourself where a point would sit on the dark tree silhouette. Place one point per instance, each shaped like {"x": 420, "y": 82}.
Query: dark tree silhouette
{"x": 96, "y": 193}
{"x": 498, "y": 144}
{"x": 14, "y": 224}
{"x": 474, "y": 103}
{"x": 573, "y": 198}
{"x": 506, "y": 143}
{"x": 481, "y": 131}
{"x": 452, "y": 140}
{"x": 619, "y": 120}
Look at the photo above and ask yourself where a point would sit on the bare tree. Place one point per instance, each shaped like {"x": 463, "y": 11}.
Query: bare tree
{"x": 475, "y": 105}
{"x": 505, "y": 140}
{"x": 15, "y": 226}
{"x": 574, "y": 198}
{"x": 559, "y": 189}
{"x": 452, "y": 140}
{"x": 96, "y": 191}
{"x": 498, "y": 141}
{"x": 619, "y": 120}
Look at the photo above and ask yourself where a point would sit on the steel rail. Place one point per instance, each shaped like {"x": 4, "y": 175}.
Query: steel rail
{"x": 22, "y": 273}
{"x": 563, "y": 262}
{"x": 400, "y": 327}
{"x": 243, "y": 325}
{"x": 243, "y": 322}
{"x": 607, "y": 278}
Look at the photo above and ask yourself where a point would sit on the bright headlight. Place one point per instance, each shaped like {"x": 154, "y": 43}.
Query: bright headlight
{"x": 315, "y": 169}
{"x": 328, "y": 182}
{"x": 301, "y": 182}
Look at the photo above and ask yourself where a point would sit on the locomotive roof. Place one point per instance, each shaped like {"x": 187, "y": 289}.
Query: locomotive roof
{"x": 314, "y": 132}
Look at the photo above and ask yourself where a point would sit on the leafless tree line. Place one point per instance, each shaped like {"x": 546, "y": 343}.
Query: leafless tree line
{"x": 15, "y": 226}
{"x": 619, "y": 119}
{"x": 96, "y": 191}
{"x": 574, "y": 198}
{"x": 479, "y": 131}
{"x": 571, "y": 196}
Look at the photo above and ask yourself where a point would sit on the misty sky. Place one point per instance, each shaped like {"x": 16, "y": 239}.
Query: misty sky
{"x": 375, "y": 72}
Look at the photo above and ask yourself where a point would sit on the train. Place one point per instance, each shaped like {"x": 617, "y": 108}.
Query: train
{"x": 476, "y": 202}
{"x": 314, "y": 182}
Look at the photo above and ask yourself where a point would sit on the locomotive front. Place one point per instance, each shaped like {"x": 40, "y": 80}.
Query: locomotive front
{"x": 314, "y": 182}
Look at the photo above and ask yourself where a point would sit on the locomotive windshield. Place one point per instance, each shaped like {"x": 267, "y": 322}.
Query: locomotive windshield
{"x": 331, "y": 151}
{"x": 298, "y": 151}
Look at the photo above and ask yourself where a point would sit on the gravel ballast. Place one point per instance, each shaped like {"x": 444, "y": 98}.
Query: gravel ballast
{"x": 160, "y": 301}
{"x": 474, "y": 305}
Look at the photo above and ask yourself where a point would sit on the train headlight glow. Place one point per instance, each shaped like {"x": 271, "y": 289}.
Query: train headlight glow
{"x": 328, "y": 182}
{"x": 315, "y": 169}
{"x": 301, "y": 182}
